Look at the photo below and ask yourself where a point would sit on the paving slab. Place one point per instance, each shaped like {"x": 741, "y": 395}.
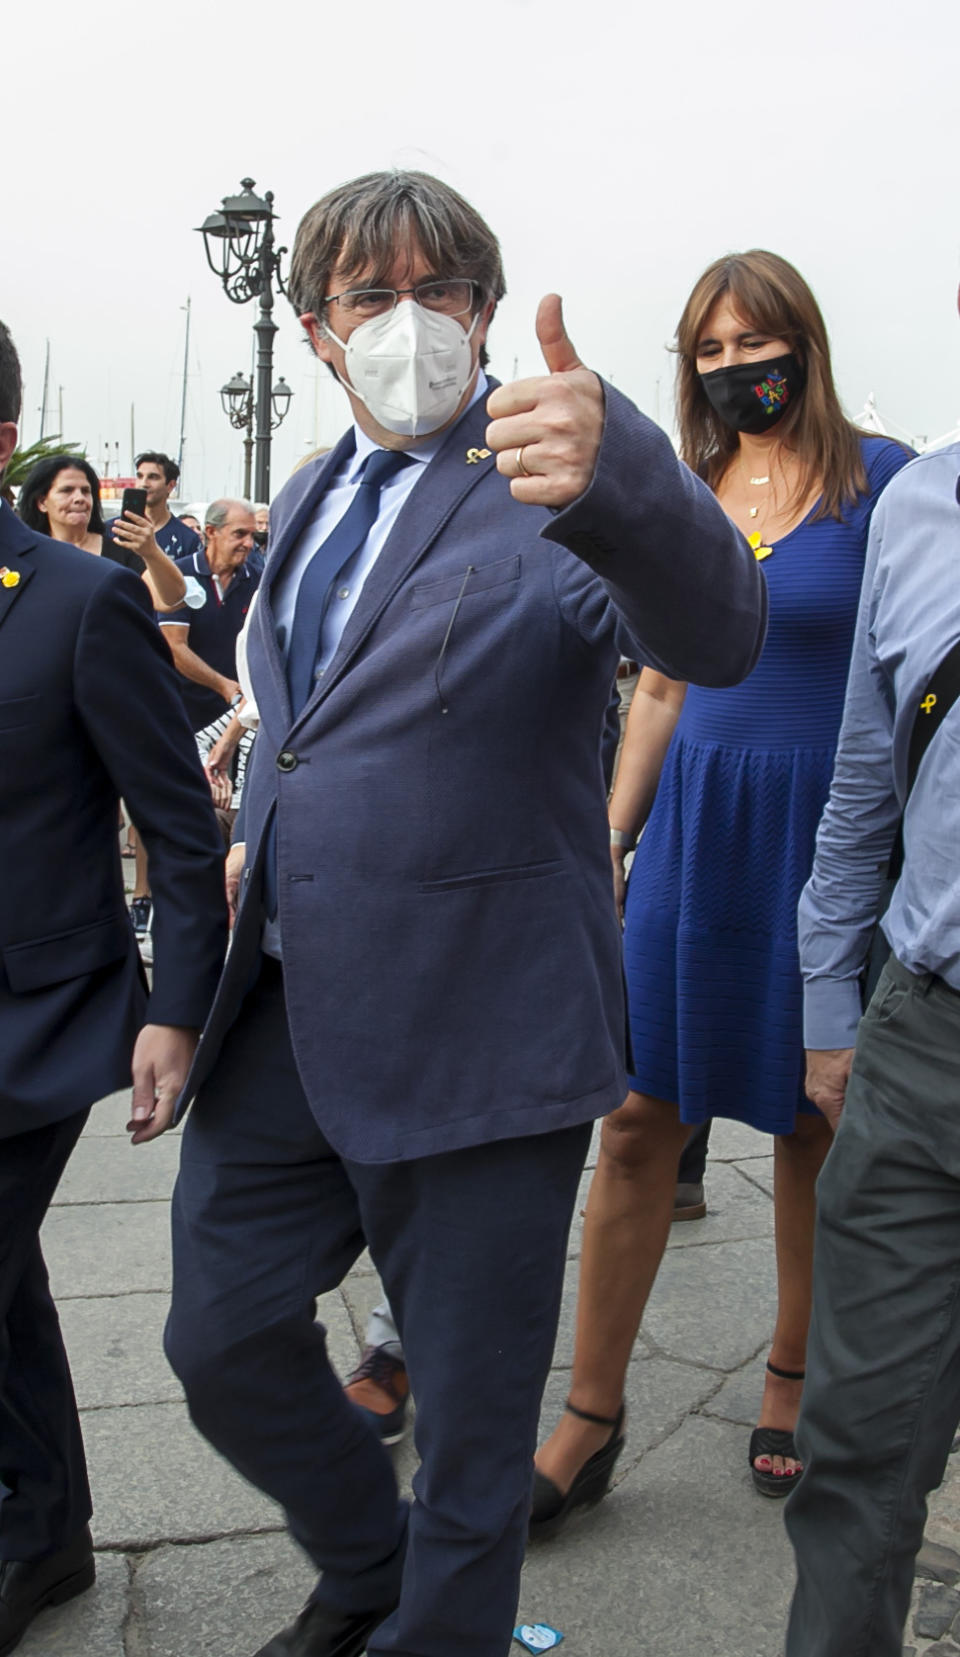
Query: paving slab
{"x": 111, "y": 1248}
{"x": 714, "y": 1305}
{"x": 736, "y": 1209}
{"x": 116, "y": 1347}
{"x": 732, "y": 1141}
{"x": 92, "y": 1625}
{"x": 738, "y": 1399}
{"x": 658, "y": 1395}
{"x": 108, "y": 1118}
{"x": 154, "y": 1479}
{"x": 218, "y": 1599}
{"x": 682, "y": 1557}
{"x": 759, "y": 1170}
{"x": 113, "y": 1170}
{"x": 116, "y": 1350}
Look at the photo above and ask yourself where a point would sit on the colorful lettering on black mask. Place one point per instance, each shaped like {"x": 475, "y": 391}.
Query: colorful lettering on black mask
{"x": 753, "y": 396}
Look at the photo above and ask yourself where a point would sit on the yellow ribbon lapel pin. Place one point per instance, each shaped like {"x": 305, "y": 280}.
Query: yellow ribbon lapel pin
{"x": 475, "y": 455}
{"x": 757, "y": 546}
{"x": 9, "y": 578}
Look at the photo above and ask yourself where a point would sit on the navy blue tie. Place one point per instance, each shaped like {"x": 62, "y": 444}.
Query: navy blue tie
{"x": 345, "y": 539}
{"x": 320, "y": 574}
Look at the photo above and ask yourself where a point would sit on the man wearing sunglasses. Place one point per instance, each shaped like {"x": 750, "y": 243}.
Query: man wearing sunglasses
{"x": 426, "y": 959}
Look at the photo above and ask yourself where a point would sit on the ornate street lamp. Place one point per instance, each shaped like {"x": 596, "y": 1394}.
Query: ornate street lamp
{"x": 237, "y": 399}
{"x": 238, "y": 239}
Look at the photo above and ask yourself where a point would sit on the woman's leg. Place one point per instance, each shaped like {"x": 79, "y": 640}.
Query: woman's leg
{"x": 797, "y": 1160}
{"x": 625, "y": 1232}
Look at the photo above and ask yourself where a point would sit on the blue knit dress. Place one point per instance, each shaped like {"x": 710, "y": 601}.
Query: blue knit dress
{"x": 710, "y": 940}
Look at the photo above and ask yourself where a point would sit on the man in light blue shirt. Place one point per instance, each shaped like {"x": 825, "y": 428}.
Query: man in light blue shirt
{"x": 882, "y": 1396}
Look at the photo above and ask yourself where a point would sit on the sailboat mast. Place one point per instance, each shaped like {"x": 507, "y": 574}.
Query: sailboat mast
{"x": 46, "y": 388}
{"x": 183, "y": 391}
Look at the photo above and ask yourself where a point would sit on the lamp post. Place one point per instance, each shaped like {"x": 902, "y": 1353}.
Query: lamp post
{"x": 239, "y": 244}
{"x": 237, "y": 399}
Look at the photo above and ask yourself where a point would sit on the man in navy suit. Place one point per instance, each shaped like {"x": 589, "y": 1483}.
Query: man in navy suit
{"x": 425, "y": 988}
{"x": 89, "y": 710}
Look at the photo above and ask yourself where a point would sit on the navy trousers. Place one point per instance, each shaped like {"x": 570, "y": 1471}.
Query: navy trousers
{"x": 470, "y": 1246}
{"x": 44, "y": 1494}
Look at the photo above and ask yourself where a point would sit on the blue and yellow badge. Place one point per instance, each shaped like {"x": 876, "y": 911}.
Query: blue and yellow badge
{"x": 537, "y": 1636}
{"x": 9, "y": 578}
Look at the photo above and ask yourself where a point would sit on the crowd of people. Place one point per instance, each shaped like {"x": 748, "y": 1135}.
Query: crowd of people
{"x": 389, "y": 756}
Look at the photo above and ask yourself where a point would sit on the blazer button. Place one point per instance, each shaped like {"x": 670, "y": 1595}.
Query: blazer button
{"x": 286, "y": 761}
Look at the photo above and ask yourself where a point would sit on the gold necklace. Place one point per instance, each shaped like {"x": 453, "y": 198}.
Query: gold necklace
{"x": 755, "y": 539}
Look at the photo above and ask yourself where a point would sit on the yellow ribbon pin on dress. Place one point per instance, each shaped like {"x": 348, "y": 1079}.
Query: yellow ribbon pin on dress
{"x": 757, "y": 546}
{"x": 9, "y": 578}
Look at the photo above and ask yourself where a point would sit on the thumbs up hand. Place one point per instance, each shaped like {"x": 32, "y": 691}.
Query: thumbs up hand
{"x": 546, "y": 432}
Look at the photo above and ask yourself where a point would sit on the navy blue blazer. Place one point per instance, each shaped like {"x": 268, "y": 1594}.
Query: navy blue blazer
{"x": 451, "y": 951}
{"x": 90, "y": 710}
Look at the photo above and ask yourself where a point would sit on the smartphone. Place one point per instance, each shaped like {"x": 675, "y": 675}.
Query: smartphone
{"x": 134, "y": 500}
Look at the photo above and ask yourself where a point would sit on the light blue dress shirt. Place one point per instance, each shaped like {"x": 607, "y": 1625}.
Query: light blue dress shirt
{"x": 909, "y": 619}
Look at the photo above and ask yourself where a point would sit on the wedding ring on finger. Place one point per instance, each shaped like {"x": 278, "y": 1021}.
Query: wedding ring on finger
{"x": 521, "y": 469}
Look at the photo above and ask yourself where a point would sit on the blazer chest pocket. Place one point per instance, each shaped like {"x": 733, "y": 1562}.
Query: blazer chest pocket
{"x": 479, "y": 578}
{"x": 65, "y": 955}
{"x": 18, "y": 711}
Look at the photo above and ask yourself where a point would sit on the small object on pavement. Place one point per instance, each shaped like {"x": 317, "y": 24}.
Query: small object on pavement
{"x": 537, "y": 1636}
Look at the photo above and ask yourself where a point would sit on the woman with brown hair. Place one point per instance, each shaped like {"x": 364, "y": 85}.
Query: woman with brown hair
{"x": 61, "y": 498}
{"x": 728, "y": 787}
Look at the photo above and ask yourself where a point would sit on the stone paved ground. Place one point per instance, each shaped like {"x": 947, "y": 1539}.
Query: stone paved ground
{"x": 681, "y": 1560}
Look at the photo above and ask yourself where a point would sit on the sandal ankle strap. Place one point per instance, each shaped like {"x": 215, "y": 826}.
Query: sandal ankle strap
{"x": 597, "y": 1420}
{"x": 786, "y": 1374}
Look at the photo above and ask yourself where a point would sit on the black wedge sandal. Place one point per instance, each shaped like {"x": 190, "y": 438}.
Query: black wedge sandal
{"x": 551, "y": 1508}
{"x": 773, "y": 1441}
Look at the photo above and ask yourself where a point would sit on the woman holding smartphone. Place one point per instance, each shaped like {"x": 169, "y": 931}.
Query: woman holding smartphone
{"x": 61, "y": 498}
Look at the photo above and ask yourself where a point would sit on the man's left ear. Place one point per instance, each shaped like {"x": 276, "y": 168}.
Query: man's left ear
{"x": 8, "y": 441}
{"x": 484, "y": 320}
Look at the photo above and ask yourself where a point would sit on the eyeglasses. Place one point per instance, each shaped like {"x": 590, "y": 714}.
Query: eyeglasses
{"x": 450, "y": 298}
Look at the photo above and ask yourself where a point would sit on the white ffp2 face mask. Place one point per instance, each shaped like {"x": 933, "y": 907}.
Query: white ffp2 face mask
{"x": 409, "y": 367}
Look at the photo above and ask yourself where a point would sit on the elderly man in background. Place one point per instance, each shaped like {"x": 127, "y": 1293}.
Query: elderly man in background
{"x": 88, "y": 707}
{"x": 203, "y": 639}
{"x": 881, "y": 1400}
{"x": 427, "y": 956}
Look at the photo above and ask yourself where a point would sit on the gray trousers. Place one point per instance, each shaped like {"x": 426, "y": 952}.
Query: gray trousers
{"x": 882, "y": 1396}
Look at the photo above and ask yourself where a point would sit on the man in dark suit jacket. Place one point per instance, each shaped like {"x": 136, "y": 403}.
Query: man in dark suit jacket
{"x": 426, "y": 964}
{"x": 89, "y": 710}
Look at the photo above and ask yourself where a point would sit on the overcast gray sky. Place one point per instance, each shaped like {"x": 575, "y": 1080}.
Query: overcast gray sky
{"x": 614, "y": 149}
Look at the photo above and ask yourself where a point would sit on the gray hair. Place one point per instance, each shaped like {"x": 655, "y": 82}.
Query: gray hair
{"x": 363, "y": 221}
{"x": 218, "y": 512}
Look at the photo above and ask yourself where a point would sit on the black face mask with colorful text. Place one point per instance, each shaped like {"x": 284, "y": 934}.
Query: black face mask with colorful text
{"x": 752, "y": 396}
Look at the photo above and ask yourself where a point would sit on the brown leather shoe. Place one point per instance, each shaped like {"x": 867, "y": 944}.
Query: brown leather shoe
{"x": 380, "y": 1388}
